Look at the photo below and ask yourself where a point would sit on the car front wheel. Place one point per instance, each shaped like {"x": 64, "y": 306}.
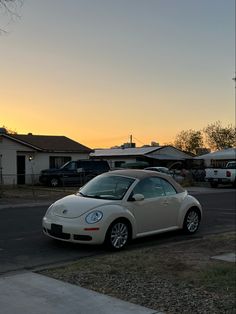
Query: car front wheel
{"x": 191, "y": 221}
{"x": 54, "y": 182}
{"x": 118, "y": 235}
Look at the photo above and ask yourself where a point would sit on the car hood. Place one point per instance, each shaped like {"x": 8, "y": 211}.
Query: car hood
{"x": 73, "y": 206}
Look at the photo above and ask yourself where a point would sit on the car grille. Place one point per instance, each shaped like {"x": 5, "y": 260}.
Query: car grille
{"x": 60, "y": 235}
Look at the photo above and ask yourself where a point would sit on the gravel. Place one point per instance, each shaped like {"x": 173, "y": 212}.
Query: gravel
{"x": 166, "y": 278}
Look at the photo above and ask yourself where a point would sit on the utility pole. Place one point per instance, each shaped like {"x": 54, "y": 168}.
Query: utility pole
{"x": 131, "y": 140}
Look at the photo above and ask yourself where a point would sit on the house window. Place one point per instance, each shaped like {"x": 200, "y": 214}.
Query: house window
{"x": 58, "y": 161}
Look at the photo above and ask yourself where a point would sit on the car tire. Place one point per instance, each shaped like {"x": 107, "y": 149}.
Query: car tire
{"x": 54, "y": 182}
{"x": 214, "y": 184}
{"x": 118, "y": 235}
{"x": 192, "y": 221}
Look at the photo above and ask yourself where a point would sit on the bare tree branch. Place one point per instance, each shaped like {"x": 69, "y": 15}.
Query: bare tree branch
{"x": 9, "y": 9}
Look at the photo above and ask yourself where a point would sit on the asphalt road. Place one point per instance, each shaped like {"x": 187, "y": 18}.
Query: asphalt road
{"x": 23, "y": 246}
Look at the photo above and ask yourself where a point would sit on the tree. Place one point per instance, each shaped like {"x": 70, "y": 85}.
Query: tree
{"x": 219, "y": 137}
{"x": 9, "y": 131}
{"x": 189, "y": 141}
{"x": 9, "y": 5}
{"x": 9, "y": 10}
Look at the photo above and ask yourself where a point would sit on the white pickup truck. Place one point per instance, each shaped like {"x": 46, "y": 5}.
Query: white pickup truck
{"x": 226, "y": 175}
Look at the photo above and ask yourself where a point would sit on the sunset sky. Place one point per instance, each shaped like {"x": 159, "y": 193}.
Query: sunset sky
{"x": 98, "y": 71}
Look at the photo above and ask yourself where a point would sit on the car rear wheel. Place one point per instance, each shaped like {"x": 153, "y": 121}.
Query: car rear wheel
{"x": 214, "y": 184}
{"x": 191, "y": 221}
{"x": 117, "y": 235}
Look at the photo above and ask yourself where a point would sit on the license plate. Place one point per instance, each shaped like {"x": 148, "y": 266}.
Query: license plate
{"x": 56, "y": 228}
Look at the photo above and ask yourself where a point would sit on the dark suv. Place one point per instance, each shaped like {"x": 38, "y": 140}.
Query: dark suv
{"x": 74, "y": 172}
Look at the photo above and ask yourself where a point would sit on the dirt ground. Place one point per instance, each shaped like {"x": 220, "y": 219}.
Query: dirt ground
{"x": 174, "y": 278}
{"x": 38, "y": 193}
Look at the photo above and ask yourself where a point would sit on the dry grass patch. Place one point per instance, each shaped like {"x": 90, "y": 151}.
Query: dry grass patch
{"x": 175, "y": 278}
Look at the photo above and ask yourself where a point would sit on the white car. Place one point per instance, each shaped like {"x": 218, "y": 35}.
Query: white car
{"x": 121, "y": 205}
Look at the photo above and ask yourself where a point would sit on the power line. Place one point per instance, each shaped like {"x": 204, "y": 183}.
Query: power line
{"x": 139, "y": 140}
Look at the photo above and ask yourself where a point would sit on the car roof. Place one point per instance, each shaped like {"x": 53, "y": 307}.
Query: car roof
{"x": 142, "y": 174}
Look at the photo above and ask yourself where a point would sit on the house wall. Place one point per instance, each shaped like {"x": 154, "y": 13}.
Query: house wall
{"x": 9, "y": 150}
{"x": 40, "y": 161}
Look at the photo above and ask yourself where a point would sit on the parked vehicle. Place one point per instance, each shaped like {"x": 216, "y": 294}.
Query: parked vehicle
{"x": 226, "y": 175}
{"x": 74, "y": 172}
{"x": 121, "y": 205}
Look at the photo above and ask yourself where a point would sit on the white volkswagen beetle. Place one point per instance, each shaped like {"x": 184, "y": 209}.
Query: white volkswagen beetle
{"x": 121, "y": 205}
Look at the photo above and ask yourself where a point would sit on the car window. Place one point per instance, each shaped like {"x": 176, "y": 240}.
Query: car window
{"x": 154, "y": 187}
{"x": 149, "y": 188}
{"x": 71, "y": 165}
{"x": 168, "y": 188}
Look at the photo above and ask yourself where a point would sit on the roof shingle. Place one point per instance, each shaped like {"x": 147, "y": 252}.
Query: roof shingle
{"x": 50, "y": 143}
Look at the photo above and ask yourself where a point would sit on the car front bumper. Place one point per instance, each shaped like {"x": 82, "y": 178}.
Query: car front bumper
{"x": 70, "y": 231}
{"x": 219, "y": 180}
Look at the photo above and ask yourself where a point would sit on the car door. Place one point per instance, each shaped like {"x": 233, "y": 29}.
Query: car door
{"x": 70, "y": 173}
{"x": 159, "y": 210}
{"x": 171, "y": 205}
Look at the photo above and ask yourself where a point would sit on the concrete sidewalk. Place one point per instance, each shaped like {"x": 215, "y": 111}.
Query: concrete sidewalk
{"x": 28, "y": 293}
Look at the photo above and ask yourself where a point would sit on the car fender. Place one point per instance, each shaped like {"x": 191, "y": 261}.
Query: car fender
{"x": 188, "y": 202}
{"x": 112, "y": 212}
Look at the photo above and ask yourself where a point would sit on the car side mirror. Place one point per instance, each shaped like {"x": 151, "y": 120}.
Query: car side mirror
{"x": 79, "y": 170}
{"x": 138, "y": 197}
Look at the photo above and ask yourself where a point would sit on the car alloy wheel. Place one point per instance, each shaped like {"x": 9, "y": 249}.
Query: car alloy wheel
{"x": 118, "y": 235}
{"x": 54, "y": 182}
{"x": 192, "y": 220}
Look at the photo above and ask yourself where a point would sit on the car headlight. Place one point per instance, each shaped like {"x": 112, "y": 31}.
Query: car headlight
{"x": 94, "y": 217}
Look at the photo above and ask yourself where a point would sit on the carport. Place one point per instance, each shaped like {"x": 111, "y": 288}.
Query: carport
{"x": 218, "y": 158}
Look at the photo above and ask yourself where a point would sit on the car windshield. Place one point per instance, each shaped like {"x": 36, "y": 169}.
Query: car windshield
{"x": 111, "y": 187}
{"x": 70, "y": 165}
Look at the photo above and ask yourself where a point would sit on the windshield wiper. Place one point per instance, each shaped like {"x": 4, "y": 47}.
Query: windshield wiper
{"x": 82, "y": 194}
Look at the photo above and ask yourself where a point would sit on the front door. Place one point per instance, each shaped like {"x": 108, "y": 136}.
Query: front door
{"x": 160, "y": 207}
{"x": 20, "y": 169}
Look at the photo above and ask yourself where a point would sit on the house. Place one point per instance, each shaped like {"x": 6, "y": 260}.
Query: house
{"x": 218, "y": 158}
{"x": 153, "y": 156}
{"x": 22, "y": 157}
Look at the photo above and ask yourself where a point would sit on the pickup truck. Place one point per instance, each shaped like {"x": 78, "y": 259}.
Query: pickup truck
{"x": 226, "y": 175}
{"x": 74, "y": 172}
